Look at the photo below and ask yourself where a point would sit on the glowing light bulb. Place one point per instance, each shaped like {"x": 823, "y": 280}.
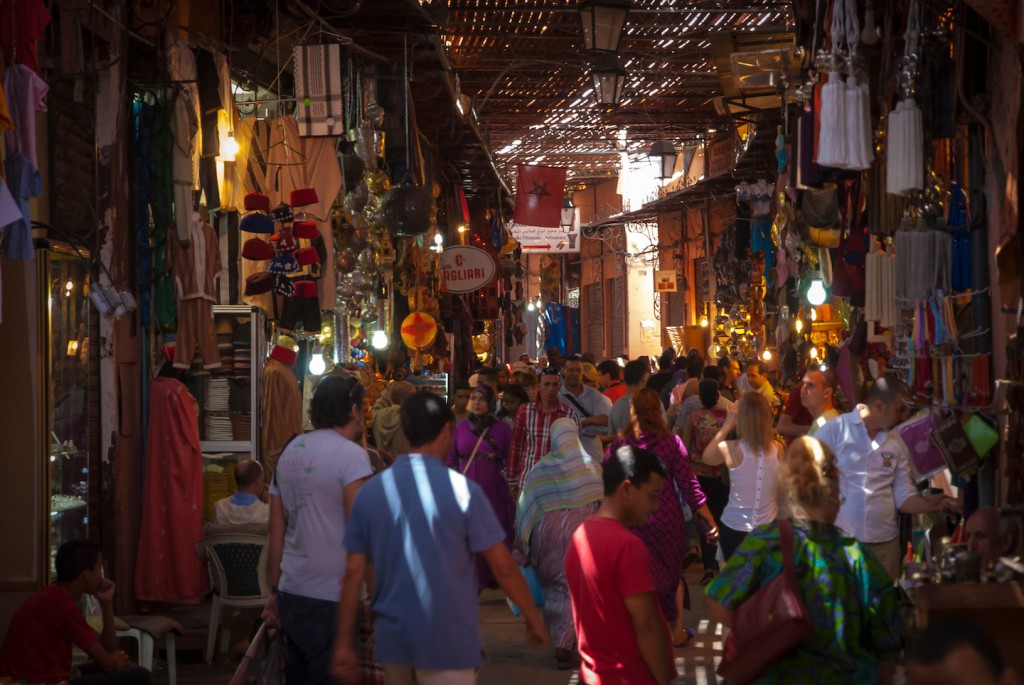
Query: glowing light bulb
{"x": 766, "y": 355}
{"x": 814, "y": 353}
{"x": 317, "y": 365}
{"x": 69, "y": 286}
{"x": 814, "y": 315}
{"x": 229, "y": 148}
{"x": 462, "y": 228}
{"x": 816, "y": 293}
{"x": 529, "y": 306}
{"x": 799, "y": 325}
{"x": 703, "y": 322}
{"x": 438, "y": 239}
{"x": 379, "y": 340}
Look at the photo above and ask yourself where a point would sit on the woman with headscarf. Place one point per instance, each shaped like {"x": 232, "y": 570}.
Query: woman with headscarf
{"x": 664, "y": 533}
{"x": 561, "y": 490}
{"x": 480, "y": 452}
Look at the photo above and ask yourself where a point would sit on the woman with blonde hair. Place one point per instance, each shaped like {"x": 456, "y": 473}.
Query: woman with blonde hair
{"x": 752, "y": 460}
{"x": 664, "y": 533}
{"x": 848, "y": 595}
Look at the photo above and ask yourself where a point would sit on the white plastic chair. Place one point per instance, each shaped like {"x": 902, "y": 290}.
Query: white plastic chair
{"x": 146, "y": 631}
{"x": 238, "y": 569}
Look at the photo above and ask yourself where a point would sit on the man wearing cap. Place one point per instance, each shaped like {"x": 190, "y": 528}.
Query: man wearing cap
{"x": 592, "y": 406}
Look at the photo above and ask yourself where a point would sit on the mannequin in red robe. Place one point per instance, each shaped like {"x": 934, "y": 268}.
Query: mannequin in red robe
{"x": 167, "y": 568}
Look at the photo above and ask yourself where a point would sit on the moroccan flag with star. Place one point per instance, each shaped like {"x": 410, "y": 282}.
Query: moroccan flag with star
{"x": 539, "y": 191}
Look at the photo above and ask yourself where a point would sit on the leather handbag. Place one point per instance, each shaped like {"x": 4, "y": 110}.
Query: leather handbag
{"x": 925, "y": 457}
{"x": 951, "y": 439}
{"x": 772, "y": 621}
{"x": 820, "y": 213}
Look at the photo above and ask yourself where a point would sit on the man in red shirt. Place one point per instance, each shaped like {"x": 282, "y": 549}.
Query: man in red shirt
{"x": 623, "y": 638}
{"x": 37, "y": 648}
{"x": 609, "y": 373}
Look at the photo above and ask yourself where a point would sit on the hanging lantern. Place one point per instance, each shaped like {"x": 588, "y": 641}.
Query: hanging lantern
{"x": 568, "y": 213}
{"x": 418, "y": 330}
{"x": 609, "y": 79}
{"x": 406, "y": 210}
{"x": 663, "y": 154}
{"x": 602, "y": 23}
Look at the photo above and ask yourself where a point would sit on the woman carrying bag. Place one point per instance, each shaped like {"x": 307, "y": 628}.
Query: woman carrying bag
{"x": 480, "y": 452}
{"x": 853, "y": 631}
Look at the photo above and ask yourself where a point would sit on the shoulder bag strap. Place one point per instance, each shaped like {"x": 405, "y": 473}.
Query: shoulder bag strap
{"x": 579, "y": 406}
{"x": 786, "y": 540}
{"x": 475, "y": 448}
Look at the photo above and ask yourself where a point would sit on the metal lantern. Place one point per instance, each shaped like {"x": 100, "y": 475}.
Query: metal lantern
{"x": 609, "y": 79}
{"x": 663, "y": 154}
{"x": 602, "y": 23}
{"x": 568, "y": 213}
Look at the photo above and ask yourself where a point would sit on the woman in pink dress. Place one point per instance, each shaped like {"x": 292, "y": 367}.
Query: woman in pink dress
{"x": 664, "y": 533}
{"x": 480, "y": 452}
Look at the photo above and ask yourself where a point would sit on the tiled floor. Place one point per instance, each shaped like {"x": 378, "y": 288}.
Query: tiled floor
{"x": 509, "y": 660}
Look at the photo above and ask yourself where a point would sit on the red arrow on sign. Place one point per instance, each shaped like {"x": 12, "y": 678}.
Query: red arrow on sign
{"x": 536, "y": 247}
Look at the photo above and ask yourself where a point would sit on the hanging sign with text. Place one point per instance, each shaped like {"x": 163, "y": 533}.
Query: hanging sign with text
{"x": 466, "y": 268}
{"x": 538, "y": 239}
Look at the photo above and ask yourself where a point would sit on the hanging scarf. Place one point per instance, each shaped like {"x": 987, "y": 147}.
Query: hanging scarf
{"x": 565, "y": 478}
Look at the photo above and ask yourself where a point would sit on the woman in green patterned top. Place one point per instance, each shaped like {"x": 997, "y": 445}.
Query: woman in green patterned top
{"x": 850, "y": 599}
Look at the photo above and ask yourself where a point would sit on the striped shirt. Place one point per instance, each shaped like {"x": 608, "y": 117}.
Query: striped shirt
{"x": 531, "y": 437}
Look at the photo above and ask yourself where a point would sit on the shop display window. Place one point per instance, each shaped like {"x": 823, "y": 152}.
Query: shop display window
{"x": 65, "y": 284}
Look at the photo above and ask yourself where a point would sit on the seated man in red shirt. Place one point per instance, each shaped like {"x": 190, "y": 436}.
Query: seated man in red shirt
{"x": 37, "y": 648}
{"x": 622, "y": 635}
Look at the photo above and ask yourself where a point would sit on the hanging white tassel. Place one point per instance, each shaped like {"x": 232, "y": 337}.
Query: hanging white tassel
{"x": 859, "y": 151}
{"x": 915, "y": 140}
{"x": 831, "y": 137}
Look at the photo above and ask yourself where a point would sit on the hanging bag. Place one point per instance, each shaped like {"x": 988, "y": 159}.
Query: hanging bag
{"x": 821, "y": 218}
{"x": 772, "y": 622}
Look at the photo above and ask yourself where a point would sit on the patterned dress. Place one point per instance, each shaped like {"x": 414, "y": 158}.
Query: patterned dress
{"x": 664, "y": 533}
{"x": 548, "y": 543}
{"x": 850, "y": 599}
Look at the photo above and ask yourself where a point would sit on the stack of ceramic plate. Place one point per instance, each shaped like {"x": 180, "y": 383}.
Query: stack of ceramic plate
{"x": 218, "y": 427}
{"x": 241, "y": 426}
{"x": 241, "y": 397}
{"x": 217, "y": 395}
{"x": 242, "y": 356}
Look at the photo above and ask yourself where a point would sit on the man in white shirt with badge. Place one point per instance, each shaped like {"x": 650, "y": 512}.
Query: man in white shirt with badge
{"x": 874, "y": 475}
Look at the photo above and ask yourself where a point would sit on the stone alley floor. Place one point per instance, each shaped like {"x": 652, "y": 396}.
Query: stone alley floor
{"x": 509, "y": 660}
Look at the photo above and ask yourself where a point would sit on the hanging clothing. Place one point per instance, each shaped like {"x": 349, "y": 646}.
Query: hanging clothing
{"x": 185, "y": 128}
{"x": 880, "y": 296}
{"x": 26, "y": 183}
{"x": 555, "y": 315}
{"x": 21, "y": 28}
{"x": 196, "y": 268}
{"x": 280, "y": 413}
{"x": 26, "y": 95}
{"x": 166, "y": 566}
{"x": 209, "y": 89}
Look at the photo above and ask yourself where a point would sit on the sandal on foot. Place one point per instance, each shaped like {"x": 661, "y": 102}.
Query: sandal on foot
{"x": 690, "y": 634}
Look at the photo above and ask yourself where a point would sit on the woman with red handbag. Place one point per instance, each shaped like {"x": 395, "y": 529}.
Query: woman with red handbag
{"x": 845, "y": 627}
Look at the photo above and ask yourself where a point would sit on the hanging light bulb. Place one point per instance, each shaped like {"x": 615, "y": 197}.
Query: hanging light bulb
{"x": 814, "y": 353}
{"x": 540, "y": 303}
{"x": 229, "y": 148}
{"x": 703, "y": 322}
{"x": 816, "y": 294}
{"x": 799, "y": 325}
{"x": 530, "y": 306}
{"x": 379, "y": 341}
{"x": 69, "y": 286}
{"x": 766, "y": 355}
{"x": 814, "y": 314}
{"x": 317, "y": 365}
{"x": 438, "y": 239}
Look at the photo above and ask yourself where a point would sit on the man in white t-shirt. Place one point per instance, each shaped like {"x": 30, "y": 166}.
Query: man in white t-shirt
{"x": 315, "y": 484}
{"x": 246, "y": 505}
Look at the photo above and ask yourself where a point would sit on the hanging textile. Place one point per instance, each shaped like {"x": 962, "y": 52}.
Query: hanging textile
{"x": 166, "y": 566}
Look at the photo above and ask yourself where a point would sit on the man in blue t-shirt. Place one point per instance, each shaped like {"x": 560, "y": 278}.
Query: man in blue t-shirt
{"x": 419, "y": 524}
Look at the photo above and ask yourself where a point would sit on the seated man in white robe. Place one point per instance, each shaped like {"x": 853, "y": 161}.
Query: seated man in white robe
{"x": 246, "y": 505}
